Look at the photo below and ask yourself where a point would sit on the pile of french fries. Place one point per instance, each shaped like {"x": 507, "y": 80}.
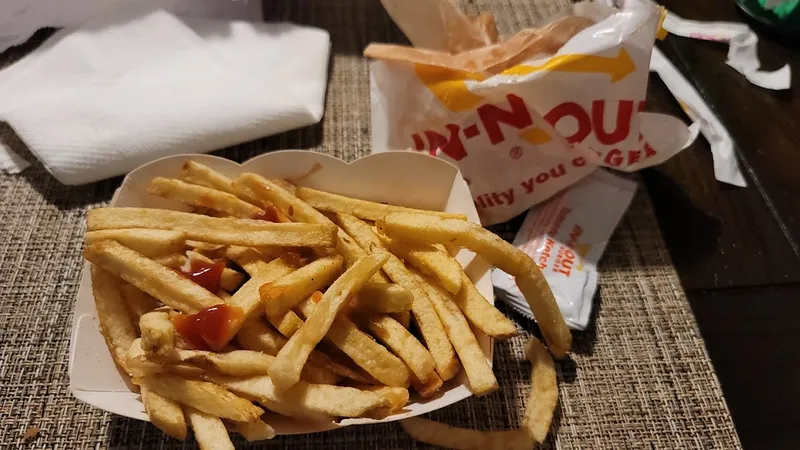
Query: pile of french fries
{"x": 269, "y": 299}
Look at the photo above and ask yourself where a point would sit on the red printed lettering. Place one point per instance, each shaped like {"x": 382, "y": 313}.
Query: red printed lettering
{"x": 545, "y": 255}
{"x": 614, "y": 158}
{"x": 623, "y": 121}
{"x": 528, "y": 185}
{"x": 648, "y": 150}
{"x": 450, "y": 145}
{"x": 542, "y": 177}
{"x": 578, "y": 113}
{"x": 558, "y": 171}
{"x": 492, "y": 116}
{"x": 494, "y": 199}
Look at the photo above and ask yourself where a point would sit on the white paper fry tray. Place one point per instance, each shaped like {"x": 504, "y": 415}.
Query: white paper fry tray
{"x": 400, "y": 178}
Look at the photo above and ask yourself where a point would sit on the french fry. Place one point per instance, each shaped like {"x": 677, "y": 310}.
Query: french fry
{"x": 245, "y": 232}
{"x": 286, "y": 369}
{"x": 397, "y": 398}
{"x": 229, "y": 280}
{"x": 204, "y": 247}
{"x": 252, "y": 260}
{"x": 244, "y": 363}
{"x": 307, "y": 400}
{"x": 116, "y": 325}
{"x": 140, "y": 363}
{"x": 150, "y": 243}
{"x": 287, "y": 324}
{"x": 201, "y": 196}
{"x": 173, "y": 261}
{"x": 164, "y": 413}
{"x": 284, "y": 293}
{"x": 202, "y": 175}
{"x": 298, "y": 211}
{"x": 138, "y": 302}
{"x": 287, "y": 202}
{"x": 255, "y": 431}
{"x": 482, "y": 314}
{"x": 209, "y": 431}
{"x": 324, "y": 362}
{"x": 382, "y": 298}
{"x": 448, "y": 436}
{"x": 196, "y": 173}
{"x": 144, "y": 364}
{"x": 425, "y": 315}
{"x": 248, "y": 297}
{"x": 257, "y": 336}
{"x": 325, "y": 201}
{"x": 403, "y": 344}
{"x": 499, "y": 253}
{"x": 429, "y": 388}
{"x": 430, "y": 261}
{"x": 239, "y": 363}
{"x": 543, "y": 397}
{"x": 403, "y": 317}
{"x": 286, "y": 185}
{"x": 374, "y": 358}
{"x": 207, "y": 397}
{"x": 481, "y": 378}
{"x": 151, "y": 277}
{"x": 158, "y": 333}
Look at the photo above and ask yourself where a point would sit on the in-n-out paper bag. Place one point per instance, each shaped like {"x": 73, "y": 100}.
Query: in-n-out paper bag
{"x": 527, "y": 117}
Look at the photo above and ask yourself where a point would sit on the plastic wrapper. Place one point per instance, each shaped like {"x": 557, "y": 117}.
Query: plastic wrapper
{"x": 566, "y": 236}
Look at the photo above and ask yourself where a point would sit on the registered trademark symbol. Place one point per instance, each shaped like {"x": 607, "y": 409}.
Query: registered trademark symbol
{"x": 516, "y": 152}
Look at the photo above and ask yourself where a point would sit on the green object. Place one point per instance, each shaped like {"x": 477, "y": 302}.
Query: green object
{"x": 784, "y": 18}
{"x": 783, "y": 9}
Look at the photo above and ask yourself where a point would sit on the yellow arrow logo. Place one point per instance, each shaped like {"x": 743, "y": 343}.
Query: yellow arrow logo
{"x": 617, "y": 67}
{"x": 450, "y": 87}
{"x": 535, "y": 135}
{"x": 582, "y": 250}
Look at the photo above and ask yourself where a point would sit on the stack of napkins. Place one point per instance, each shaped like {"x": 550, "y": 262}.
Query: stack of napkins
{"x": 136, "y": 83}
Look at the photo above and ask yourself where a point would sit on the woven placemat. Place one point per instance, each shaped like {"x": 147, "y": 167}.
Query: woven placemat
{"x": 639, "y": 377}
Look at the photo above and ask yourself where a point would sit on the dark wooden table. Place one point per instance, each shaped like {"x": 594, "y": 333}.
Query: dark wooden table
{"x": 737, "y": 250}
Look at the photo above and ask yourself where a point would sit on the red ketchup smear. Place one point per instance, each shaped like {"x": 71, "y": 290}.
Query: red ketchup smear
{"x": 270, "y": 214}
{"x": 316, "y": 297}
{"x": 210, "y": 328}
{"x": 208, "y": 275}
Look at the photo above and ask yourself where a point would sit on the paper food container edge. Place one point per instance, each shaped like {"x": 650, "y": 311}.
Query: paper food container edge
{"x": 402, "y": 178}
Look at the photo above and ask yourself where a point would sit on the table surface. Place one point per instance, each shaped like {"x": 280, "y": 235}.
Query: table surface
{"x": 736, "y": 249}
{"x": 640, "y": 377}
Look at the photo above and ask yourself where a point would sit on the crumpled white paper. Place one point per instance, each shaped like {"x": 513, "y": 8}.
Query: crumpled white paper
{"x": 742, "y": 48}
{"x": 19, "y": 19}
{"x": 726, "y": 167}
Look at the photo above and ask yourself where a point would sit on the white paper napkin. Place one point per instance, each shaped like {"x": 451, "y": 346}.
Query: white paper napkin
{"x": 135, "y": 84}
{"x": 19, "y": 19}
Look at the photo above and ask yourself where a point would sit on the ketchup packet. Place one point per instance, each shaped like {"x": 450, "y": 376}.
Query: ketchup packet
{"x": 525, "y": 117}
{"x": 566, "y": 236}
